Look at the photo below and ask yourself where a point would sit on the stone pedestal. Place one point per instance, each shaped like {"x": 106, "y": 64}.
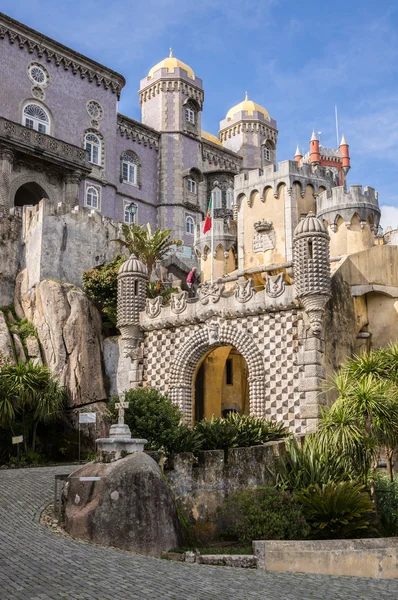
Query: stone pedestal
{"x": 118, "y": 445}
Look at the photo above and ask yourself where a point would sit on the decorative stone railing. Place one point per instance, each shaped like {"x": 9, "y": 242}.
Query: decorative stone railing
{"x": 23, "y": 139}
{"x": 224, "y": 235}
{"x": 214, "y": 300}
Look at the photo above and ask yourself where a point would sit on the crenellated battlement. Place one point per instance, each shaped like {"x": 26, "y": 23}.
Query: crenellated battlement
{"x": 287, "y": 172}
{"x": 340, "y": 203}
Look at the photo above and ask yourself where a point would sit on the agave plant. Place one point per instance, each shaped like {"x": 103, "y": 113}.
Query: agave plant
{"x": 252, "y": 431}
{"x": 336, "y": 510}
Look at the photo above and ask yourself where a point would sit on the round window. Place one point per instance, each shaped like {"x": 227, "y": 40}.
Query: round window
{"x": 38, "y": 74}
{"x": 95, "y": 110}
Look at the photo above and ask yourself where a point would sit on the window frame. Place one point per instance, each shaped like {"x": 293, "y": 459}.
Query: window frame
{"x": 127, "y": 203}
{"x": 93, "y": 145}
{"x": 267, "y": 153}
{"x": 131, "y": 165}
{"x": 190, "y": 115}
{"x": 230, "y": 199}
{"x": 189, "y": 225}
{"x": 36, "y": 124}
{"x": 192, "y": 186}
{"x": 216, "y": 197}
{"x": 97, "y": 190}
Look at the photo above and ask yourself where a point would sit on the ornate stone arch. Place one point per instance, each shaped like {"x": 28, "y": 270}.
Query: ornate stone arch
{"x": 211, "y": 336}
{"x": 25, "y": 178}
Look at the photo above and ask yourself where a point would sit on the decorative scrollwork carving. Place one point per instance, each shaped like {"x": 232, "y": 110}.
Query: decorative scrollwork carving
{"x": 210, "y": 292}
{"x": 244, "y": 290}
{"x": 178, "y": 302}
{"x": 275, "y": 285}
{"x": 153, "y": 307}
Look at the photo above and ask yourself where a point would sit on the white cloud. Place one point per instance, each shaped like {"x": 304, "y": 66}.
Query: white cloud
{"x": 389, "y": 217}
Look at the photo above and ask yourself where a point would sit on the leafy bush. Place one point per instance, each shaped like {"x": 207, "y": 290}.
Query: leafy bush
{"x": 387, "y": 503}
{"x": 262, "y": 514}
{"x": 185, "y": 439}
{"x": 151, "y": 416}
{"x": 301, "y": 466}
{"x": 217, "y": 433}
{"x": 100, "y": 285}
{"x": 251, "y": 431}
{"x": 336, "y": 511}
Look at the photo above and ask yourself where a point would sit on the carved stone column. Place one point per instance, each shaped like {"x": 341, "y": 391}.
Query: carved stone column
{"x": 6, "y": 162}
{"x": 72, "y": 182}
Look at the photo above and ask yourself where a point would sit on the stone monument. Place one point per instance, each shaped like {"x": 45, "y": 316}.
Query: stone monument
{"x": 119, "y": 443}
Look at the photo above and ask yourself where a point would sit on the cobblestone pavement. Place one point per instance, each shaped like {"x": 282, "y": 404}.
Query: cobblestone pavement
{"x": 36, "y": 564}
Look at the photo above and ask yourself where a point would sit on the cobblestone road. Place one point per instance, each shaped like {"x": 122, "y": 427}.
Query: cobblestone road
{"x": 36, "y": 564}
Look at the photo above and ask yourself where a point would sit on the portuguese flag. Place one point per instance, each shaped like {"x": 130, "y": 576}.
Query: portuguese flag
{"x": 207, "y": 225}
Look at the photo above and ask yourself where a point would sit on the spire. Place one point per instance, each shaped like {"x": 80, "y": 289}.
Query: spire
{"x": 171, "y": 52}
{"x": 313, "y": 137}
{"x": 298, "y": 151}
{"x": 246, "y": 95}
{"x": 343, "y": 141}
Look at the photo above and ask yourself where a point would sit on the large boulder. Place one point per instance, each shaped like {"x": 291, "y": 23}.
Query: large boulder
{"x": 70, "y": 335}
{"x": 130, "y": 507}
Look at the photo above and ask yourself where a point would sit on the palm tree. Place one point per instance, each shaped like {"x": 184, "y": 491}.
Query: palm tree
{"x": 29, "y": 391}
{"x": 147, "y": 246}
{"x": 364, "y": 417}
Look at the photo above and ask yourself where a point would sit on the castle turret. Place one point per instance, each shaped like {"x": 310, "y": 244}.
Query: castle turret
{"x": 249, "y": 130}
{"x": 299, "y": 155}
{"x": 352, "y": 218}
{"x": 131, "y": 298}
{"x": 345, "y": 155}
{"x": 312, "y": 269}
{"x": 315, "y": 156}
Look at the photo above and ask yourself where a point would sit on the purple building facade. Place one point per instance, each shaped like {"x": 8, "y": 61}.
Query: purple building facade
{"x": 61, "y": 138}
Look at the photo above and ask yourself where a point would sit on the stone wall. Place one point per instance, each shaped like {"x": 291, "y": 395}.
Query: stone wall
{"x": 201, "y": 484}
{"x": 11, "y": 254}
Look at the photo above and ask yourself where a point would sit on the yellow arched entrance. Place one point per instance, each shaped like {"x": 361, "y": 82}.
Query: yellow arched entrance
{"x": 221, "y": 384}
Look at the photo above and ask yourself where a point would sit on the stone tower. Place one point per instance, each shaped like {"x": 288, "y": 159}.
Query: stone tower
{"x": 131, "y": 298}
{"x": 249, "y": 130}
{"x": 171, "y": 98}
{"x": 352, "y": 218}
{"x": 312, "y": 269}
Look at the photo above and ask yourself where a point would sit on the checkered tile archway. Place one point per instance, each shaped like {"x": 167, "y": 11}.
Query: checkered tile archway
{"x": 186, "y": 361}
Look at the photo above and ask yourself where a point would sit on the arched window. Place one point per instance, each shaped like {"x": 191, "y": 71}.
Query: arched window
{"x": 35, "y": 117}
{"x": 92, "y": 143}
{"x": 189, "y": 225}
{"x": 230, "y": 198}
{"x": 129, "y": 172}
{"x": 92, "y": 197}
{"x": 216, "y": 198}
{"x": 130, "y": 212}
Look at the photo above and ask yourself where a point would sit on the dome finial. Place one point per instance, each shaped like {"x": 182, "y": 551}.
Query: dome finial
{"x": 246, "y": 95}
{"x": 171, "y": 52}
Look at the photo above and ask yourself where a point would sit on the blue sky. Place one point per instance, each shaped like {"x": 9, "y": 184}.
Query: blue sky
{"x": 297, "y": 59}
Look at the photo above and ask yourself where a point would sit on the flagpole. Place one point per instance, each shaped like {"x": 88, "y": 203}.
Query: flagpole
{"x": 212, "y": 241}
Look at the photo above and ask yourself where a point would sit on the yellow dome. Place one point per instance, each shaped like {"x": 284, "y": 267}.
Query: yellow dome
{"x": 248, "y": 106}
{"x": 170, "y": 63}
{"x": 210, "y": 137}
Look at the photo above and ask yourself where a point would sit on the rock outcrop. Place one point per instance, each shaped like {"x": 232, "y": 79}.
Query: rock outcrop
{"x": 6, "y": 345}
{"x": 69, "y": 330}
{"x": 130, "y": 507}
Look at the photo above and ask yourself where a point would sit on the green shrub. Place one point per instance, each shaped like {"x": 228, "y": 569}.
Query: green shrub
{"x": 387, "y": 503}
{"x": 262, "y": 514}
{"x": 301, "y": 466}
{"x": 252, "y": 431}
{"x": 336, "y": 510}
{"x": 185, "y": 439}
{"x": 100, "y": 285}
{"x": 151, "y": 416}
{"x": 217, "y": 433}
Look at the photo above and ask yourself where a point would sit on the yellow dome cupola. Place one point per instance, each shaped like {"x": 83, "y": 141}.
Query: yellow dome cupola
{"x": 170, "y": 63}
{"x": 249, "y": 107}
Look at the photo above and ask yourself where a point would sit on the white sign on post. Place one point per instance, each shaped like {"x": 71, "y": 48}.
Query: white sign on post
{"x": 89, "y": 417}
{"x": 18, "y": 439}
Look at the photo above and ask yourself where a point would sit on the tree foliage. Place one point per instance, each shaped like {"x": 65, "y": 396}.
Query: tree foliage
{"x": 29, "y": 394}
{"x": 100, "y": 285}
{"x": 148, "y": 246}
